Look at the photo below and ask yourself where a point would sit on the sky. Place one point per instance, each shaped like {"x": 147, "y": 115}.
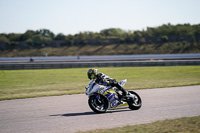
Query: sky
{"x": 75, "y": 16}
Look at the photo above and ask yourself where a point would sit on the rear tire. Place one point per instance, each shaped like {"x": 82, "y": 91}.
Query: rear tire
{"x": 98, "y": 105}
{"x": 135, "y": 103}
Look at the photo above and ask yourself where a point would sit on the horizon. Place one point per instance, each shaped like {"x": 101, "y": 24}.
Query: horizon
{"x": 71, "y": 17}
{"x": 102, "y": 29}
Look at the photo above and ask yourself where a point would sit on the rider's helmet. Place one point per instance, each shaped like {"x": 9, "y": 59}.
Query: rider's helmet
{"x": 92, "y": 72}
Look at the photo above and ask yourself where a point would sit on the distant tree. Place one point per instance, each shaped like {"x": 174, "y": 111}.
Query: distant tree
{"x": 164, "y": 39}
{"x": 153, "y": 35}
{"x": 142, "y": 40}
{"x": 60, "y": 36}
{"x": 113, "y": 32}
{"x": 27, "y": 35}
{"x": 91, "y": 35}
{"x": 4, "y": 39}
{"x": 46, "y": 33}
{"x": 137, "y": 33}
{"x": 30, "y": 41}
{"x": 81, "y": 36}
{"x": 13, "y": 37}
{"x": 197, "y": 31}
{"x": 150, "y": 32}
{"x": 39, "y": 38}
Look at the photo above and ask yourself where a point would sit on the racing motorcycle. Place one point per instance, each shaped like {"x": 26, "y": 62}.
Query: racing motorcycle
{"x": 102, "y": 98}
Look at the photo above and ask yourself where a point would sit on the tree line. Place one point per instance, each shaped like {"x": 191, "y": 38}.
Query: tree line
{"x": 166, "y": 33}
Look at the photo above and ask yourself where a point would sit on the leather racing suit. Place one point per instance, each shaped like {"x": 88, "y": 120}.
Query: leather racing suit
{"x": 103, "y": 79}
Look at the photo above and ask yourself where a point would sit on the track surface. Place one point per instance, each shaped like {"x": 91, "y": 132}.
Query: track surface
{"x": 102, "y": 58}
{"x": 71, "y": 113}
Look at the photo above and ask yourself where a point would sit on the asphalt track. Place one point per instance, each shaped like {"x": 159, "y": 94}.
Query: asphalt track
{"x": 71, "y": 113}
{"x": 101, "y": 58}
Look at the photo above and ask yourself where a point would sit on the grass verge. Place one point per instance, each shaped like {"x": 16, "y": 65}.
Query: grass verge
{"x": 48, "y": 82}
{"x": 182, "y": 125}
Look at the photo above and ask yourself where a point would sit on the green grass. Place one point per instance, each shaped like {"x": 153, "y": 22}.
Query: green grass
{"x": 47, "y": 82}
{"x": 182, "y": 125}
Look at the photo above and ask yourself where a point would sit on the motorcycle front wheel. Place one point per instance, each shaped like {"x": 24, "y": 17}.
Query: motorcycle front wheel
{"x": 98, "y": 105}
{"x": 135, "y": 103}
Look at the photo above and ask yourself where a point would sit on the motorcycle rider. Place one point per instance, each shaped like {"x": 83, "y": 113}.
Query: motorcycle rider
{"x": 103, "y": 79}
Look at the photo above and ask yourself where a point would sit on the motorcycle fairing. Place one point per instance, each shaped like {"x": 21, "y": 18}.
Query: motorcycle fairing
{"x": 107, "y": 91}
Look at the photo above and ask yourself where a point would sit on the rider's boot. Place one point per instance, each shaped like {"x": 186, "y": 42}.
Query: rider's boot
{"x": 123, "y": 96}
{"x": 124, "y": 92}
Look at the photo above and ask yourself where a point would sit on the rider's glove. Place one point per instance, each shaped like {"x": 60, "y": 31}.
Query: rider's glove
{"x": 112, "y": 81}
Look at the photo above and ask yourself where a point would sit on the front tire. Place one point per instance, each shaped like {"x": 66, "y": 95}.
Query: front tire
{"x": 136, "y": 102}
{"x": 99, "y": 105}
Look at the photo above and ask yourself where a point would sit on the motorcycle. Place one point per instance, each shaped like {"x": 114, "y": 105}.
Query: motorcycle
{"x": 103, "y": 98}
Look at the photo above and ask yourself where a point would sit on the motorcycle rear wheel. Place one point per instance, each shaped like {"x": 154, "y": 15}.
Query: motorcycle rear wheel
{"x": 98, "y": 105}
{"x": 136, "y": 103}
